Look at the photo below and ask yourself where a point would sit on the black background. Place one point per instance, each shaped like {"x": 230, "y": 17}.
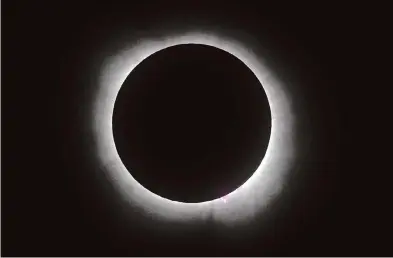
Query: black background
{"x": 53, "y": 199}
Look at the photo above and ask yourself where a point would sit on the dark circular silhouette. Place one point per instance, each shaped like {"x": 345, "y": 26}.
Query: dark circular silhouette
{"x": 191, "y": 123}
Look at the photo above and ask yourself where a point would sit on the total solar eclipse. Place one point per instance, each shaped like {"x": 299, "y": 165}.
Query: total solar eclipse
{"x": 156, "y": 142}
{"x": 191, "y": 123}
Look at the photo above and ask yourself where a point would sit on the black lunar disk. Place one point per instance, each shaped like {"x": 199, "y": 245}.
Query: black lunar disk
{"x": 191, "y": 123}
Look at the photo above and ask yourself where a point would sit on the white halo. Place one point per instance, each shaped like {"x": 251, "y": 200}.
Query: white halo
{"x": 246, "y": 201}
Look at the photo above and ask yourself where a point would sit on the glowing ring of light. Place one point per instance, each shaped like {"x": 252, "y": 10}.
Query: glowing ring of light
{"x": 246, "y": 201}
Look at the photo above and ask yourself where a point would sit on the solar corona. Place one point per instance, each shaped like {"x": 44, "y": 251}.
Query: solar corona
{"x": 246, "y": 201}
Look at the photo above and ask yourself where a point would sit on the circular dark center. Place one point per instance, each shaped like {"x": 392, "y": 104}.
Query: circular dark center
{"x": 191, "y": 123}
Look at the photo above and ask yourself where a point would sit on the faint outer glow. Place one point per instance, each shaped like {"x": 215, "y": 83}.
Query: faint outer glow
{"x": 247, "y": 201}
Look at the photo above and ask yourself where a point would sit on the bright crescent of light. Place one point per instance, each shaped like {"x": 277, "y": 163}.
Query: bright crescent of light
{"x": 246, "y": 201}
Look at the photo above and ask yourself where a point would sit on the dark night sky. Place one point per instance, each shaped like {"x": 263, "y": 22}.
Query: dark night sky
{"x": 54, "y": 201}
